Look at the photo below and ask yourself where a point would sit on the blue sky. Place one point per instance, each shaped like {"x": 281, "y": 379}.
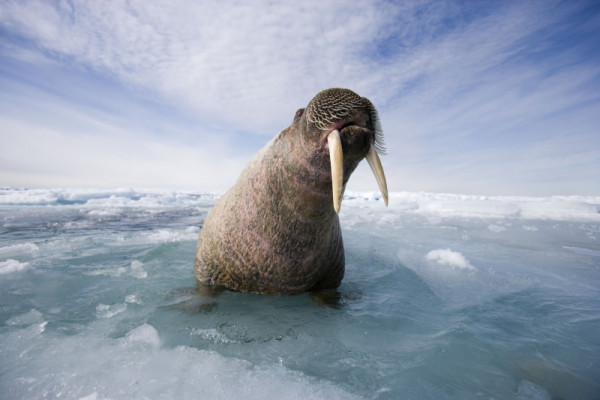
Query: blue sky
{"x": 491, "y": 98}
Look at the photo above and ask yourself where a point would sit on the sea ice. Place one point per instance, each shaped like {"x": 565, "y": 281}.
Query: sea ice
{"x": 144, "y": 334}
{"x": 444, "y": 296}
{"x": 451, "y": 258}
{"x": 10, "y": 266}
{"x": 109, "y": 311}
{"x": 18, "y": 250}
{"x": 29, "y": 318}
{"x": 137, "y": 270}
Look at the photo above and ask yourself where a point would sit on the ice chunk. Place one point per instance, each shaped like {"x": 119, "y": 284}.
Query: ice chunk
{"x": 28, "y": 318}
{"x": 115, "y": 272}
{"x": 144, "y": 334}
{"x": 107, "y": 311}
{"x": 531, "y": 391}
{"x": 496, "y": 228}
{"x": 132, "y": 299}
{"x": 582, "y": 250}
{"x": 137, "y": 270}
{"x": 18, "y": 249}
{"x": 92, "y": 396}
{"x": 451, "y": 258}
{"x": 10, "y": 265}
{"x": 212, "y": 335}
{"x": 169, "y": 235}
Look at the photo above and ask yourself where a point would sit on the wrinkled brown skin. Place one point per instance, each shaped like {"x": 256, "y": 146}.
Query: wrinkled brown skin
{"x": 275, "y": 231}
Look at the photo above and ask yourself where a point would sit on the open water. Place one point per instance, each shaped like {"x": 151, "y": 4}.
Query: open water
{"x": 445, "y": 297}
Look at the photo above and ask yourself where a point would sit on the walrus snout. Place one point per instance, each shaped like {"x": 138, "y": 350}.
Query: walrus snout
{"x": 361, "y": 119}
{"x": 336, "y": 155}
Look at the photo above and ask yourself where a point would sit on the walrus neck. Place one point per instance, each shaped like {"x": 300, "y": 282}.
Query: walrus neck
{"x": 306, "y": 169}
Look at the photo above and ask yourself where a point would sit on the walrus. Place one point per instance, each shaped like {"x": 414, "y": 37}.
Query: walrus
{"x": 277, "y": 231}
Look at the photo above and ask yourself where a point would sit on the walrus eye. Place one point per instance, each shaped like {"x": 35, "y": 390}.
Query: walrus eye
{"x": 299, "y": 113}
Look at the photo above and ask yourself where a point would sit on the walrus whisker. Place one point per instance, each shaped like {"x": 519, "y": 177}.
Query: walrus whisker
{"x": 336, "y": 157}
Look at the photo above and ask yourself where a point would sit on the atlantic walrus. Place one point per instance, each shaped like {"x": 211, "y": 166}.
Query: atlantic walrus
{"x": 276, "y": 231}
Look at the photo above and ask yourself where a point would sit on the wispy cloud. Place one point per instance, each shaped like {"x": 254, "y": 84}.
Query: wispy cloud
{"x": 64, "y": 146}
{"x": 466, "y": 92}
{"x": 215, "y": 56}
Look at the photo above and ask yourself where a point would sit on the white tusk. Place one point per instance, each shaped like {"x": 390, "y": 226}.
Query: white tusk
{"x": 337, "y": 167}
{"x": 375, "y": 164}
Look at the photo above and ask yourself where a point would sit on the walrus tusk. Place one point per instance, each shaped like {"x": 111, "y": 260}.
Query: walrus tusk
{"x": 375, "y": 164}
{"x": 337, "y": 167}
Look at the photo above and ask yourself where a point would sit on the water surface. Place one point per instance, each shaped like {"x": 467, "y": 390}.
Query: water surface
{"x": 444, "y": 296}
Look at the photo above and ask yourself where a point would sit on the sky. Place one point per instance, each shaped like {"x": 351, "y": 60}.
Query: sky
{"x": 474, "y": 97}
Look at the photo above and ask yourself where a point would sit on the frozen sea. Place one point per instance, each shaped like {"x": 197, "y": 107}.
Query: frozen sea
{"x": 444, "y": 297}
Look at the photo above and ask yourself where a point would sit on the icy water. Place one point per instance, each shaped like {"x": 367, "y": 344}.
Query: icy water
{"x": 445, "y": 297}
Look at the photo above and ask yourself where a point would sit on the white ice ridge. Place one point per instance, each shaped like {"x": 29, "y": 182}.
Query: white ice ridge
{"x": 104, "y": 198}
{"x": 451, "y": 258}
{"x": 144, "y": 334}
{"x": 109, "y": 311}
{"x": 580, "y": 208}
{"x": 18, "y": 249}
{"x": 28, "y": 318}
{"x": 560, "y": 208}
{"x": 169, "y": 235}
{"x": 95, "y": 366}
{"x": 8, "y": 266}
{"x": 137, "y": 269}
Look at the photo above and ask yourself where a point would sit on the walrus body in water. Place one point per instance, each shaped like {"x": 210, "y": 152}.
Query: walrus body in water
{"x": 276, "y": 231}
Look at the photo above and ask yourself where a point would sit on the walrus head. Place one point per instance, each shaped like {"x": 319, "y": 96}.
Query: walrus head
{"x": 348, "y": 125}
